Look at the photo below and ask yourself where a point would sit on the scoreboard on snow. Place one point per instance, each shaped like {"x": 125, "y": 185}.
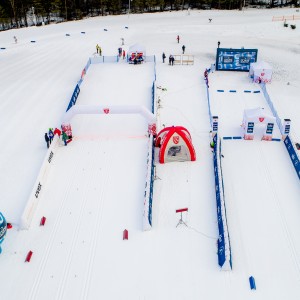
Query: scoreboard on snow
{"x": 235, "y": 59}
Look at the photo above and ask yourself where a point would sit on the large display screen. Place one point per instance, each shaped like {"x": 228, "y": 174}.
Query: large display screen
{"x": 235, "y": 59}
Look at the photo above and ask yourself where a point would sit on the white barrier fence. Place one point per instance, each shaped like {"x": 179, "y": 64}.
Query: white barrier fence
{"x": 38, "y": 187}
{"x": 183, "y": 59}
{"x": 148, "y": 195}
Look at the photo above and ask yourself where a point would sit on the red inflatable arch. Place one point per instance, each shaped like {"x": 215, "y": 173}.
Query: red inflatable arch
{"x": 175, "y": 145}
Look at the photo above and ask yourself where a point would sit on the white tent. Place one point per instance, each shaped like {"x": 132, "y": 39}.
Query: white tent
{"x": 261, "y": 72}
{"x": 257, "y": 115}
{"x": 137, "y": 48}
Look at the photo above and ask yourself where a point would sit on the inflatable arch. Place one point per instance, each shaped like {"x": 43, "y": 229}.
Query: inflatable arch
{"x": 175, "y": 145}
{"x": 113, "y": 109}
{"x": 257, "y": 116}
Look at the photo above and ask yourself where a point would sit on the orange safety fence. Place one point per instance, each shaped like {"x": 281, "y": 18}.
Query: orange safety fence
{"x": 286, "y": 18}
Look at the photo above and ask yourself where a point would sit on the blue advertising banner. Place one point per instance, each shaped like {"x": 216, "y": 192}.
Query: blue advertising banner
{"x": 74, "y": 97}
{"x": 3, "y": 226}
{"x": 235, "y": 59}
{"x": 221, "y": 240}
{"x": 293, "y": 155}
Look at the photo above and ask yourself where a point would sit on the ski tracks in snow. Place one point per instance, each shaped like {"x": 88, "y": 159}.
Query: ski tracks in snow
{"x": 89, "y": 183}
{"x": 283, "y": 220}
{"x": 99, "y": 214}
{"x": 56, "y": 227}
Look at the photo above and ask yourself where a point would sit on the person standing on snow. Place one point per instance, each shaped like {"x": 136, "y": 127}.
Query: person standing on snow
{"x": 97, "y": 48}
{"x": 183, "y": 49}
{"x": 51, "y": 135}
{"x": 123, "y": 54}
{"x": 47, "y": 139}
{"x": 120, "y": 51}
{"x": 178, "y": 38}
{"x": 100, "y": 51}
{"x": 172, "y": 60}
{"x": 64, "y": 137}
{"x": 163, "y": 57}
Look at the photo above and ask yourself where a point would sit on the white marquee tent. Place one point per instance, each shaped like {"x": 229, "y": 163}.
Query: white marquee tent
{"x": 137, "y": 48}
{"x": 257, "y": 116}
{"x": 261, "y": 71}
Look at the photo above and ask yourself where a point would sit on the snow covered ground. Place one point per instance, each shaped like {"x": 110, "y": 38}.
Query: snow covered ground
{"x": 95, "y": 187}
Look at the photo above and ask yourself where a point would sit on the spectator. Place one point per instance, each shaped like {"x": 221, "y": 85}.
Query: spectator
{"x": 100, "y": 51}
{"x": 47, "y": 139}
{"x": 64, "y": 137}
{"x": 183, "y": 49}
{"x": 97, "y": 48}
{"x": 163, "y": 57}
{"x": 50, "y": 135}
{"x": 172, "y": 60}
{"x": 57, "y": 131}
{"x": 123, "y": 54}
{"x": 178, "y": 39}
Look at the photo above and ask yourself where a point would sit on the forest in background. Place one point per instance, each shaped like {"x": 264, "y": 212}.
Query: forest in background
{"x": 24, "y": 13}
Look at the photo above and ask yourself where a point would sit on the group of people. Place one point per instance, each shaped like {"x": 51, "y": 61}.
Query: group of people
{"x": 171, "y": 57}
{"x": 121, "y": 52}
{"x": 183, "y": 46}
{"x": 136, "y": 58}
{"x": 98, "y": 49}
{"x": 50, "y": 135}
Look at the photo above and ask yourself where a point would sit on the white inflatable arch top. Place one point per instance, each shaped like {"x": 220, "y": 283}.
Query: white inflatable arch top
{"x": 109, "y": 109}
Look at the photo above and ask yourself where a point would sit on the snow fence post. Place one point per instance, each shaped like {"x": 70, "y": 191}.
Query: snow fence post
{"x": 252, "y": 283}
{"x": 43, "y": 221}
{"x": 125, "y": 234}
{"x": 28, "y": 257}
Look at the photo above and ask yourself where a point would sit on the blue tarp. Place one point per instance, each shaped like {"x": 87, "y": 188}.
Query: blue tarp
{"x": 293, "y": 154}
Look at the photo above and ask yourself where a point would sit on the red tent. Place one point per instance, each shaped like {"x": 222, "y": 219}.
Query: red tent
{"x": 175, "y": 145}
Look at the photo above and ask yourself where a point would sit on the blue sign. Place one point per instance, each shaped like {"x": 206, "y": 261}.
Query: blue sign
{"x": 215, "y": 126}
{"x": 293, "y": 155}
{"x": 287, "y": 129}
{"x": 221, "y": 240}
{"x": 74, "y": 97}
{"x": 3, "y": 226}
{"x": 235, "y": 59}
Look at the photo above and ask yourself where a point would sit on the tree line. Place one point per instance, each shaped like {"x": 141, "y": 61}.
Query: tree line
{"x": 20, "y": 13}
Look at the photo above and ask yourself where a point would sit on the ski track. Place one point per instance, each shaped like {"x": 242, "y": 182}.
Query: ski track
{"x": 61, "y": 290}
{"x": 56, "y": 227}
{"x": 99, "y": 215}
{"x": 280, "y": 211}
